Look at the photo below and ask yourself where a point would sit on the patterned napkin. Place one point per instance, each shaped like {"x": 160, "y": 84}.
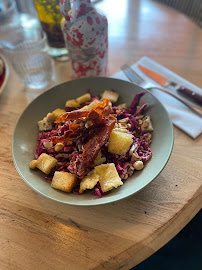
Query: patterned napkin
{"x": 181, "y": 116}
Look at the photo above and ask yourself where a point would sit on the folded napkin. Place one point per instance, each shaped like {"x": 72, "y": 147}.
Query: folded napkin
{"x": 181, "y": 116}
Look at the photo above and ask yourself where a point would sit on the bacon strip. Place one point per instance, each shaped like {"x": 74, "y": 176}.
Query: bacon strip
{"x": 99, "y": 108}
{"x": 69, "y": 135}
{"x": 97, "y": 134}
{"x": 71, "y": 115}
{"x": 97, "y": 138}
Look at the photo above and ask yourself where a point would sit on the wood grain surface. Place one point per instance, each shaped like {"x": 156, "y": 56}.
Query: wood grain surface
{"x": 36, "y": 233}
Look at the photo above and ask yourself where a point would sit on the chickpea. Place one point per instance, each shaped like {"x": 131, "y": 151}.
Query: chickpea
{"x": 59, "y": 147}
{"x": 33, "y": 164}
{"x": 138, "y": 165}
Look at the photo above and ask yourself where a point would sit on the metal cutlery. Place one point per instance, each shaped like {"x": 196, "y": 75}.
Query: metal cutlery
{"x": 165, "y": 82}
{"x": 135, "y": 78}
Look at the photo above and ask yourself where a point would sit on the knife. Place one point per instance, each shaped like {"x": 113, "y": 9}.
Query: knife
{"x": 171, "y": 84}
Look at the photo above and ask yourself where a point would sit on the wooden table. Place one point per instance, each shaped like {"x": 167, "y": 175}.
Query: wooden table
{"x": 37, "y": 233}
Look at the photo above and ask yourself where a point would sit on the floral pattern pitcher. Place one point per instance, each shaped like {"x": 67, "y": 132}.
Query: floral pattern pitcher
{"x": 86, "y": 36}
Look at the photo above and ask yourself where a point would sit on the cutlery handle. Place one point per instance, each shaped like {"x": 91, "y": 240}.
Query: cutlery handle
{"x": 195, "y": 109}
{"x": 193, "y": 95}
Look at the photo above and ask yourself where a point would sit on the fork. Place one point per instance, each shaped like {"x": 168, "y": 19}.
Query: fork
{"x": 135, "y": 78}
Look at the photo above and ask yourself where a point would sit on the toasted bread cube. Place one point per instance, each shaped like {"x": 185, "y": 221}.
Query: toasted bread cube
{"x": 72, "y": 103}
{"x": 108, "y": 176}
{"x": 45, "y": 163}
{"x": 88, "y": 182}
{"x": 50, "y": 117}
{"x": 83, "y": 98}
{"x": 58, "y": 112}
{"x": 90, "y": 106}
{"x": 119, "y": 142}
{"x": 111, "y": 95}
{"x": 63, "y": 181}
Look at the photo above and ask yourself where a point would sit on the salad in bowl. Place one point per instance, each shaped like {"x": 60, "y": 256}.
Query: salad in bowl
{"x": 90, "y": 144}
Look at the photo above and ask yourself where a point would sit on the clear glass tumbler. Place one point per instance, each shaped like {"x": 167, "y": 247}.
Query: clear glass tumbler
{"x": 28, "y": 53}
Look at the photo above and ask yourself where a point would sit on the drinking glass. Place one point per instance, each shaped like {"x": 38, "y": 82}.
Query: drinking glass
{"x": 28, "y": 53}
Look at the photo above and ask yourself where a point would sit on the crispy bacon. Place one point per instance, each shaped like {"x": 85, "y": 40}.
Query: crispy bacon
{"x": 102, "y": 109}
{"x": 74, "y": 126}
{"x": 60, "y": 139}
{"x": 97, "y": 138}
{"x": 71, "y": 115}
{"x": 69, "y": 135}
{"x": 94, "y": 136}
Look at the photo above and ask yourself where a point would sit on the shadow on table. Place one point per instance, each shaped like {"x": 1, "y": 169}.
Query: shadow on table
{"x": 184, "y": 252}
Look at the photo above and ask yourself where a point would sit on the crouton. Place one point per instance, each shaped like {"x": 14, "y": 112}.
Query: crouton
{"x": 63, "y": 181}
{"x": 119, "y": 142}
{"x": 58, "y": 112}
{"x": 111, "y": 95}
{"x": 88, "y": 182}
{"x": 90, "y": 106}
{"x": 72, "y": 103}
{"x": 83, "y": 98}
{"x": 108, "y": 176}
{"x": 50, "y": 117}
{"x": 45, "y": 163}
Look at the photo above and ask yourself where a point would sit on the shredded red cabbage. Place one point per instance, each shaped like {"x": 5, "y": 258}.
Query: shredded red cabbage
{"x": 71, "y": 154}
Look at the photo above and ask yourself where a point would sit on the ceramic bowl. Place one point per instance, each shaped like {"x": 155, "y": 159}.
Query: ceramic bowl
{"x": 26, "y": 133}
